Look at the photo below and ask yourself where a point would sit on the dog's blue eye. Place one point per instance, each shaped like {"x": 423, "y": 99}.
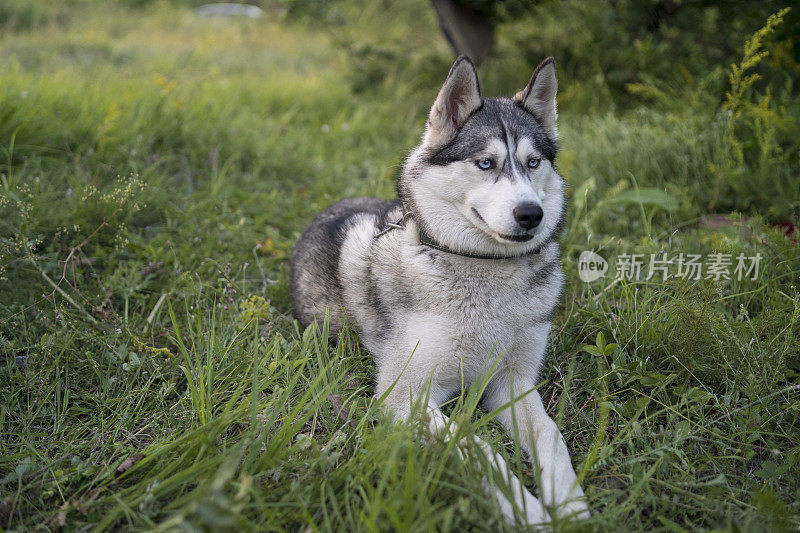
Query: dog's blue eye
{"x": 533, "y": 162}
{"x": 485, "y": 163}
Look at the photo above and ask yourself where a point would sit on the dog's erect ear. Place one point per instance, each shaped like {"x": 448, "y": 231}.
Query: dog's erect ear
{"x": 458, "y": 98}
{"x": 539, "y": 97}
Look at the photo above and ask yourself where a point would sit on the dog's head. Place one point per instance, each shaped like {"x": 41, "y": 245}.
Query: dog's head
{"x": 483, "y": 180}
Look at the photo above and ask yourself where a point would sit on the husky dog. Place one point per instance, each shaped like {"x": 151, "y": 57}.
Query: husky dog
{"x": 456, "y": 281}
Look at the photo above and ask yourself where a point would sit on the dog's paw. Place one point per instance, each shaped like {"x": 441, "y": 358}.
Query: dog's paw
{"x": 526, "y": 508}
{"x": 563, "y": 496}
{"x": 575, "y": 508}
{"x": 533, "y": 512}
{"x": 568, "y": 503}
{"x": 536, "y": 515}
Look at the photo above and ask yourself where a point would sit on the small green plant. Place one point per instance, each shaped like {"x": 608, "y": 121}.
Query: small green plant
{"x": 755, "y": 136}
{"x": 741, "y": 80}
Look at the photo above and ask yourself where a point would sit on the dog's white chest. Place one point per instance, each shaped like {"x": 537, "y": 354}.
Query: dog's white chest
{"x": 468, "y": 323}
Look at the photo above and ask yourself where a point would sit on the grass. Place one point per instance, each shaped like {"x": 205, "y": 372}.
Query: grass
{"x": 155, "y": 172}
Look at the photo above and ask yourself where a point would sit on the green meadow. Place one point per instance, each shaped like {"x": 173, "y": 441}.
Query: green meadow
{"x": 156, "y": 169}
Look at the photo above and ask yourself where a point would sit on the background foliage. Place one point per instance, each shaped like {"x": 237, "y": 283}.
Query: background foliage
{"x": 156, "y": 169}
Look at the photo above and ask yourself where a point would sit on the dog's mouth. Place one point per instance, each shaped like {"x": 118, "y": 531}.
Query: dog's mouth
{"x": 516, "y": 238}
{"x": 519, "y": 237}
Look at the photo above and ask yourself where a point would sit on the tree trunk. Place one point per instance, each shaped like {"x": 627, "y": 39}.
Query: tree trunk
{"x": 467, "y": 33}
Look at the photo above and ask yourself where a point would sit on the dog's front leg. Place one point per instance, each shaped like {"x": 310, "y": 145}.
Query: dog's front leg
{"x": 513, "y": 496}
{"x": 536, "y": 432}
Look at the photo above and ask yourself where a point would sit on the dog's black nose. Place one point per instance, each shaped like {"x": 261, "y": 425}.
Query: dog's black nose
{"x": 528, "y": 215}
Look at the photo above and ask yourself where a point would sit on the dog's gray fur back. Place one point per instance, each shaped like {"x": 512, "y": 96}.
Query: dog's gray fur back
{"x": 314, "y": 279}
